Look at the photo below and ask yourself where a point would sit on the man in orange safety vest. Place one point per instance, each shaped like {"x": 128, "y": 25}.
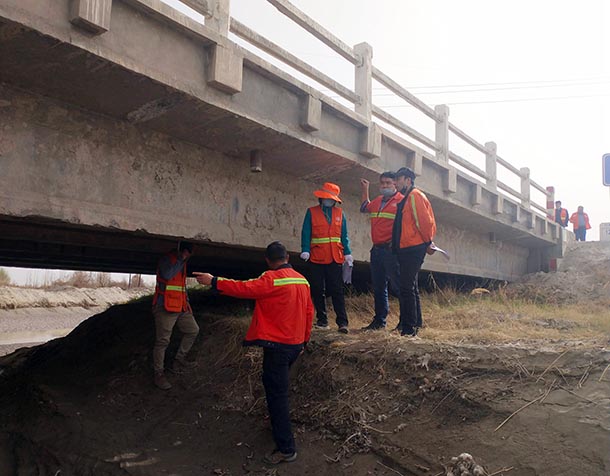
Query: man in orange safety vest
{"x": 171, "y": 307}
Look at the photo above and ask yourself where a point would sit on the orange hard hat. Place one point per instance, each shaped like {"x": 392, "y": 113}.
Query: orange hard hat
{"x": 329, "y": 190}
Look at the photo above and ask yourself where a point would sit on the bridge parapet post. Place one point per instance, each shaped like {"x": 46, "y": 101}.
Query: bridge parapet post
{"x": 525, "y": 187}
{"x": 491, "y": 164}
{"x": 364, "y": 80}
{"x": 442, "y": 132}
{"x": 550, "y": 203}
{"x": 221, "y": 16}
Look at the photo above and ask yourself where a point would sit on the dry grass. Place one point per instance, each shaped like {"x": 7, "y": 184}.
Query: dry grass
{"x": 451, "y": 316}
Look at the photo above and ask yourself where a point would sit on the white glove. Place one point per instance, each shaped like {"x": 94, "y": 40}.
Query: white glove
{"x": 304, "y": 255}
{"x": 349, "y": 259}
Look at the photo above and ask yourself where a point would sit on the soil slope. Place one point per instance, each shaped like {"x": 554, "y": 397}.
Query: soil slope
{"x": 363, "y": 404}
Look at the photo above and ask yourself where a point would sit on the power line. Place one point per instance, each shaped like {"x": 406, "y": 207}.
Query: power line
{"x": 507, "y": 100}
{"x": 510, "y": 85}
{"x": 590, "y": 78}
{"x": 509, "y": 88}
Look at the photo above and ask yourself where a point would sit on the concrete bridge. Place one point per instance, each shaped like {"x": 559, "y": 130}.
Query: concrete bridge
{"x": 125, "y": 125}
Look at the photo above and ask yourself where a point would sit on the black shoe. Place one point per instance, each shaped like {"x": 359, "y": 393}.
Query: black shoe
{"x": 343, "y": 330}
{"x": 373, "y": 326}
{"x": 277, "y": 457}
{"x": 411, "y": 333}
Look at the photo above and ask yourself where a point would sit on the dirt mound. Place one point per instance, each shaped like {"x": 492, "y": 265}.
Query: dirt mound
{"x": 583, "y": 276}
{"x": 365, "y": 403}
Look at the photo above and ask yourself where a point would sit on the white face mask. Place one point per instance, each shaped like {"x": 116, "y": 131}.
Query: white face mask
{"x": 387, "y": 192}
{"x": 328, "y": 202}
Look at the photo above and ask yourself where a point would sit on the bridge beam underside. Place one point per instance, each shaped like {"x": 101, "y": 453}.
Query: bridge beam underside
{"x": 124, "y": 193}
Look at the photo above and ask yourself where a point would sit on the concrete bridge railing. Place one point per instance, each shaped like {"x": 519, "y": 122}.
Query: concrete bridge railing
{"x": 360, "y": 56}
{"x": 95, "y": 16}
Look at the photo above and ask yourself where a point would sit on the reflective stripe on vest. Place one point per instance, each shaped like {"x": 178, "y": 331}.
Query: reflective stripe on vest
{"x": 414, "y": 211}
{"x": 316, "y": 241}
{"x": 175, "y": 288}
{"x": 390, "y": 216}
{"x": 288, "y": 281}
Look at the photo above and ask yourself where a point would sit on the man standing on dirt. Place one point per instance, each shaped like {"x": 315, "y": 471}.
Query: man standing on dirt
{"x": 281, "y": 325}
{"x": 384, "y": 264}
{"x": 561, "y": 214}
{"x": 170, "y": 307}
{"x": 580, "y": 222}
{"x": 412, "y": 235}
{"x": 325, "y": 244}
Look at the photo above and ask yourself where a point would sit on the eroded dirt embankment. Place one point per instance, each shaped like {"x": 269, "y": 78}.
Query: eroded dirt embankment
{"x": 366, "y": 403}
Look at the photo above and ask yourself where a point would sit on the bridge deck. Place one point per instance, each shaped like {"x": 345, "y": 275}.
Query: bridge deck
{"x": 138, "y": 101}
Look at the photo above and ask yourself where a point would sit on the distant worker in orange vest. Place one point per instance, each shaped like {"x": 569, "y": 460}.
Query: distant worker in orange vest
{"x": 384, "y": 263}
{"x": 325, "y": 244}
{"x": 412, "y": 235}
{"x": 281, "y": 325}
{"x": 561, "y": 214}
{"x": 580, "y": 222}
{"x": 170, "y": 307}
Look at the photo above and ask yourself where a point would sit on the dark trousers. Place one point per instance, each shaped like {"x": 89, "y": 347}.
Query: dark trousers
{"x": 581, "y": 234}
{"x": 384, "y": 271}
{"x": 327, "y": 280}
{"x": 276, "y": 367}
{"x": 410, "y": 260}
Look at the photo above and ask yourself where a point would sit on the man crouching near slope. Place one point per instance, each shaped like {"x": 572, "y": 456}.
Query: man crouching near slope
{"x": 281, "y": 325}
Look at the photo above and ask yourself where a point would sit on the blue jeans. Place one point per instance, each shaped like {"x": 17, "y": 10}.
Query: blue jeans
{"x": 276, "y": 367}
{"x": 581, "y": 234}
{"x": 384, "y": 272}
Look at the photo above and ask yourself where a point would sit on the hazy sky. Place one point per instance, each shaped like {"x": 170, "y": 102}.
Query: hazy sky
{"x": 532, "y": 76}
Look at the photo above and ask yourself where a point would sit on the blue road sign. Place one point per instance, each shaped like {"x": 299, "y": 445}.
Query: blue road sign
{"x": 606, "y": 169}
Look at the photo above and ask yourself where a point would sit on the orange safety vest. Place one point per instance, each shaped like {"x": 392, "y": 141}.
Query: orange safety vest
{"x": 574, "y": 221}
{"x": 326, "y": 244}
{"x": 418, "y": 224}
{"x": 173, "y": 290}
{"x": 382, "y": 220}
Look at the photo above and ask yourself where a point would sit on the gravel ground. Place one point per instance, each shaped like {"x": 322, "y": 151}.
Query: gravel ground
{"x": 10, "y": 348}
{"x": 43, "y": 319}
{"x": 31, "y": 316}
{"x": 29, "y": 326}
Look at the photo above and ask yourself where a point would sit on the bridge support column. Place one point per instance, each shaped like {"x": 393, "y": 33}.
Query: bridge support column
{"x": 477, "y": 195}
{"x": 442, "y": 132}
{"x": 418, "y": 163}
{"x": 525, "y": 187}
{"x": 312, "y": 114}
{"x": 91, "y": 15}
{"x": 498, "y": 205}
{"x": 491, "y": 164}
{"x": 371, "y": 141}
{"x": 450, "y": 180}
{"x": 226, "y": 69}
